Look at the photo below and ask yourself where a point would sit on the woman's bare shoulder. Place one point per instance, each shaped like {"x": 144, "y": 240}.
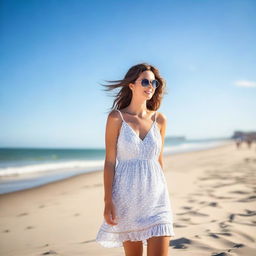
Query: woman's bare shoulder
{"x": 114, "y": 118}
{"x": 161, "y": 118}
{"x": 114, "y": 114}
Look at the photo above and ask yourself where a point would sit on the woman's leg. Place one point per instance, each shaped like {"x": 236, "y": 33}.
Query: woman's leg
{"x": 158, "y": 245}
{"x": 133, "y": 248}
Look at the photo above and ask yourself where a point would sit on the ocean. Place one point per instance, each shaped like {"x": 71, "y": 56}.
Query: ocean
{"x": 23, "y": 168}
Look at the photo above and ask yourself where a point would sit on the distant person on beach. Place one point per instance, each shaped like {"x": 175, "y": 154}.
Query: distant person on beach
{"x": 137, "y": 206}
{"x": 238, "y": 142}
{"x": 249, "y": 141}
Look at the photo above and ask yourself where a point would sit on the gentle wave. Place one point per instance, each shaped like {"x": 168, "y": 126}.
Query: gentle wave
{"x": 46, "y": 167}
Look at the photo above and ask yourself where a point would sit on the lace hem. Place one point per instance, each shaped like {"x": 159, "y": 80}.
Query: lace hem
{"x": 111, "y": 240}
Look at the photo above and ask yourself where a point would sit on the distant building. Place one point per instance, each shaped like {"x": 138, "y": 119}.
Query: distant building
{"x": 244, "y": 135}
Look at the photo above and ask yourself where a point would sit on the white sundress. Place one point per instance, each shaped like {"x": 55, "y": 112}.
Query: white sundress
{"x": 139, "y": 190}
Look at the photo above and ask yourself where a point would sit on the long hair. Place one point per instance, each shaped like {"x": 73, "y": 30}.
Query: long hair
{"x": 124, "y": 96}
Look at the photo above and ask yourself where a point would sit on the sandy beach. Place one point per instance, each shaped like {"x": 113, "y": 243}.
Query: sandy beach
{"x": 212, "y": 192}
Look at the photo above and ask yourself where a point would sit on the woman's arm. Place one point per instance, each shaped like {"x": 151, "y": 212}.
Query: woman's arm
{"x": 162, "y": 120}
{"x": 111, "y": 134}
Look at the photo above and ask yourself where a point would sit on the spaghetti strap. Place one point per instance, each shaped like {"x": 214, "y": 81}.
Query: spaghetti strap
{"x": 120, "y": 114}
{"x": 155, "y": 116}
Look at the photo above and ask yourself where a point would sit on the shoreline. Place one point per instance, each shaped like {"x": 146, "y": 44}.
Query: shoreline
{"x": 212, "y": 193}
{"x": 23, "y": 182}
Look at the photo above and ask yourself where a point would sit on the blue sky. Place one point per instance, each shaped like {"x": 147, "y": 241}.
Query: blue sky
{"x": 55, "y": 54}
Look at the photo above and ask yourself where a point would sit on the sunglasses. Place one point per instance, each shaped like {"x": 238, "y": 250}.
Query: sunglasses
{"x": 145, "y": 83}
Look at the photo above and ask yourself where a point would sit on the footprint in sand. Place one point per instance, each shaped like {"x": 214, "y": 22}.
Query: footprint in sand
{"x": 229, "y": 250}
{"x": 239, "y": 192}
{"x": 248, "y": 213}
{"x": 231, "y": 217}
{"x": 30, "y": 227}
{"x": 213, "y": 204}
{"x": 184, "y": 219}
{"x": 180, "y": 243}
{"x": 217, "y": 235}
{"x": 219, "y": 185}
{"x": 236, "y": 246}
{"x": 22, "y": 214}
{"x": 224, "y": 226}
{"x": 192, "y": 200}
{"x": 88, "y": 241}
{"x": 187, "y": 207}
{"x": 194, "y": 213}
{"x": 220, "y": 197}
{"x": 247, "y": 199}
{"x": 49, "y": 252}
{"x": 244, "y": 218}
{"x": 213, "y": 235}
{"x": 221, "y": 254}
{"x": 179, "y": 225}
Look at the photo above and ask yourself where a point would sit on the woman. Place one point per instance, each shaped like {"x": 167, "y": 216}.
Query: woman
{"x": 137, "y": 206}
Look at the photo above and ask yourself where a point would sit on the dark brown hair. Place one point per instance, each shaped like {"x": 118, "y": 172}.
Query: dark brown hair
{"x": 124, "y": 96}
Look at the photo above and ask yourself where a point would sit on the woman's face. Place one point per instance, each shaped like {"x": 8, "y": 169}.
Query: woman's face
{"x": 139, "y": 90}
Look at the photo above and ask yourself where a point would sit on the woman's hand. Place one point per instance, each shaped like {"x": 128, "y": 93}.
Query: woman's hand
{"x": 110, "y": 213}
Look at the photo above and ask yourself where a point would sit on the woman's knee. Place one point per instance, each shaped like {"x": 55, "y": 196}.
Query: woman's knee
{"x": 158, "y": 245}
{"x": 133, "y": 248}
